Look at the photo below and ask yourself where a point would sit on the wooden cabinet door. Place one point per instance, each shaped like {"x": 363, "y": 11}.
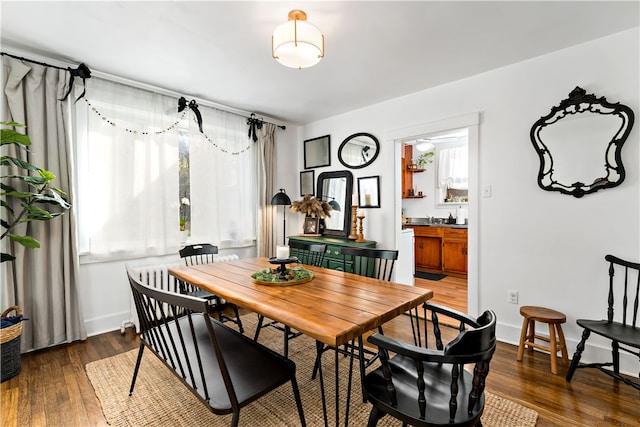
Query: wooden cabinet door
{"x": 428, "y": 252}
{"x": 454, "y": 256}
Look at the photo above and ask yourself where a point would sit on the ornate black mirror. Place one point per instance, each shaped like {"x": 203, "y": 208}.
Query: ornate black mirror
{"x": 579, "y": 144}
{"x": 358, "y": 150}
{"x": 336, "y": 189}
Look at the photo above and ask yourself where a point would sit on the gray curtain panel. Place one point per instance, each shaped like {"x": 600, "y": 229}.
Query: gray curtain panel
{"x": 44, "y": 281}
{"x": 266, "y": 160}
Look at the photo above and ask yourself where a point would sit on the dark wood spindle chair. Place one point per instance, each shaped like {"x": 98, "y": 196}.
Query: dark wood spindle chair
{"x": 427, "y": 384}
{"x": 203, "y": 253}
{"x": 621, "y": 325}
{"x": 367, "y": 262}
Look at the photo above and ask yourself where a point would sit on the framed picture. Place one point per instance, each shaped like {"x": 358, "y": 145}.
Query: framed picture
{"x": 307, "y": 181}
{"x": 311, "y": 225}
{"x": 317, "y": 152}
{"x": 369, "y": 192}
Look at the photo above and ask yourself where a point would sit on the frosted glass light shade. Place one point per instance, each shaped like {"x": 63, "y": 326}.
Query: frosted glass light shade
{"x": 297, "y": 43}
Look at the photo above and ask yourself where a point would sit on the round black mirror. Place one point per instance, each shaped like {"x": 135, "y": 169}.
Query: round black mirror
{"x": 358, "y": 150}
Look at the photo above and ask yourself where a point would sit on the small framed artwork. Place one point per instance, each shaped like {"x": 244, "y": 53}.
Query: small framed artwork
{"x": 307, "y": 181}
{"x": 311, "y": 225}
{"x": 369, "y": 192}
{"x": 317, "y": 152}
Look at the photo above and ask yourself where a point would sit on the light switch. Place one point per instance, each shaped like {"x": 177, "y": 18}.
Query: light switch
{"x": 486, "y": 191}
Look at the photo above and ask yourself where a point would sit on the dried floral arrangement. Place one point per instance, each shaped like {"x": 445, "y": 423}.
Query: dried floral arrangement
{"x": 309, "y": 205}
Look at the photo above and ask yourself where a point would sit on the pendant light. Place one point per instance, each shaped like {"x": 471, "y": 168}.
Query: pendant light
{"x": 297, "y": 43}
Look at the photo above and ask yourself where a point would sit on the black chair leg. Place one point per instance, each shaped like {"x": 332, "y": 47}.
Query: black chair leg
{"x": 238, "y": 321}
{"x": 296, "y": 395}
{"x": 577, "y": 355}
{"x": 374, "y": 416}
{"x": 135, "y": 371}
{"x": 259, "y": 327}
{"x": 287, "y": 332}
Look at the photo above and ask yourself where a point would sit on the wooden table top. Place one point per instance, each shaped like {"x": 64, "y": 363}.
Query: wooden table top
{"x": 334, "y": 308}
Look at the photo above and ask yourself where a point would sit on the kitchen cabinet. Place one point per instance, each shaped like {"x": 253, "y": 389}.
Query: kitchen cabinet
{"x": 428, "y": 248}
{"x": 333, "y": 258}
{"x": 454, "y": 251}
{"x": 441, "y": 249}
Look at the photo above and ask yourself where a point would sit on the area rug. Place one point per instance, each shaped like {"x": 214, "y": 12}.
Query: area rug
{"x": 159, "y": 398}
{"x": 429, "y": 276}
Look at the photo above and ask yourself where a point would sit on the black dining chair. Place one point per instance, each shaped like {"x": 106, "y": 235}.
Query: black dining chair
{"x": 437, "y": 383}
{"x": 367, "y": 262}
{"x": 220, "y": 366}
{"x": 308, "y": 254}
{"x": 621, "y": 326}
{"x": 203, "y": 253}
{"x": 376, "y": 263}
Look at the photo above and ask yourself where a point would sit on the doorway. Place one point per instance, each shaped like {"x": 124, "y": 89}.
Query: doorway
{"x": 470, "y": 123}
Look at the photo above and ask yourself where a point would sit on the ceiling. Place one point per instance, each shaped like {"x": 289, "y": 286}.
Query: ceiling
{"x": 375, "y": 51}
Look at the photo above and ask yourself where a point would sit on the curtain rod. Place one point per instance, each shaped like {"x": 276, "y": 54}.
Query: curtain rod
{"x": 152, "y": 88}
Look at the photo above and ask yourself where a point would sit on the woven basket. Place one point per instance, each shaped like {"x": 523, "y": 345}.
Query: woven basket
{"x": 10, "y": 346}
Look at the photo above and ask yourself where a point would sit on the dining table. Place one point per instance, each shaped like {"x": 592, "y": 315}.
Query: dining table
{"x": 333, "y": 307}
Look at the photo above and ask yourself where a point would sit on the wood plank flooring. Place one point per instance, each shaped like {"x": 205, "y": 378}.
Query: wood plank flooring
{"x": 53, "y": 389}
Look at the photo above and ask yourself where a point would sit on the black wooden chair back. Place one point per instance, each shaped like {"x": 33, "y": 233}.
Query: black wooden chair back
{"x": 622, "y": 325}
{"x": 219, "y": 365}
{"x": 376, "y": 263}
{"x": 203, "y": 253}
{"x": 428, "y": 385}
{"x": 308, "y": 253}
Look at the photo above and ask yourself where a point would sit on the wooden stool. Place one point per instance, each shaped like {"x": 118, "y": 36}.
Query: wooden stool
{"x": 528, "y": 335}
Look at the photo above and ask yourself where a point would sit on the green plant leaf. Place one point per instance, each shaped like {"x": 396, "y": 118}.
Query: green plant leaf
{"x": 53, "y": 199}
{"x": 7, "y": 160}
{"x": 34, "y": 181}
{"x": 10, "y": 136}
{"x": 26, "y": 241}
{"x": 46, "y": 175}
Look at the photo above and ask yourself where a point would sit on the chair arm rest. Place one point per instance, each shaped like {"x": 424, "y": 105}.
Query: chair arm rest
{"x": 455, "y": 314}
{"x": 418, "y": 353}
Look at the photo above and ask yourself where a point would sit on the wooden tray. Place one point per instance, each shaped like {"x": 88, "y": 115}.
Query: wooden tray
{"x": 285, "y": 283}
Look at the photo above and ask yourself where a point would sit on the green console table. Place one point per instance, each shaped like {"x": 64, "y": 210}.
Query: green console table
{"x": 333, "y": 258}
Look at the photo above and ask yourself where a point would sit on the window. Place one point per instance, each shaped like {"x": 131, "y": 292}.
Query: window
{"x": 453, "y": 173}
{"x": 132, "y": 145}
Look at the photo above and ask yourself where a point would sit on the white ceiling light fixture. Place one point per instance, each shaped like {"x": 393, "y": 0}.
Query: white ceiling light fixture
{"x": 297, "y": 43}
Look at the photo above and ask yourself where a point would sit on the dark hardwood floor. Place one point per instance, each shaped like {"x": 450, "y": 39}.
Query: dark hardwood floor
{"x": 53, "y": 389}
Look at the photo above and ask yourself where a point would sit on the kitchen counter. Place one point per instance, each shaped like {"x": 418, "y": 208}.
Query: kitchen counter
{"x": 428, "y": 224}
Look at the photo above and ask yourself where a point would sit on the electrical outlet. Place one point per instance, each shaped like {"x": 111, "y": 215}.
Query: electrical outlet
{"x": 512, "y": 297}
{"x": 486, "y": 191}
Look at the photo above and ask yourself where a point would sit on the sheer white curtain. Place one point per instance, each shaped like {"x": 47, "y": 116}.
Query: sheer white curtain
{"x": 453, "y": 168}
{"x": 223, "y": 181}
{"x": 128, "y": 178}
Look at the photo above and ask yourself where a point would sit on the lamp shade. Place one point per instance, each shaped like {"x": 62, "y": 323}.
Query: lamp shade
{"x": 297, "y": 43}
{"x": 334, "y": 205}
{"x": 281, "y": 198}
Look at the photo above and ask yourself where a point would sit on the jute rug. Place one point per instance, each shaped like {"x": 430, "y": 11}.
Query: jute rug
{"x": 159, "y": 398}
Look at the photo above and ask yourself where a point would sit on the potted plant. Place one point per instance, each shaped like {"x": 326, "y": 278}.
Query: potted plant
{"x": 27, "y": 196}
{"x": 425, "y": 159}
{"x": 313, "y": 207}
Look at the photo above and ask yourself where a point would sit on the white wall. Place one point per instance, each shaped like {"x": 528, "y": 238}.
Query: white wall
{"x": 548, "y": 246}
